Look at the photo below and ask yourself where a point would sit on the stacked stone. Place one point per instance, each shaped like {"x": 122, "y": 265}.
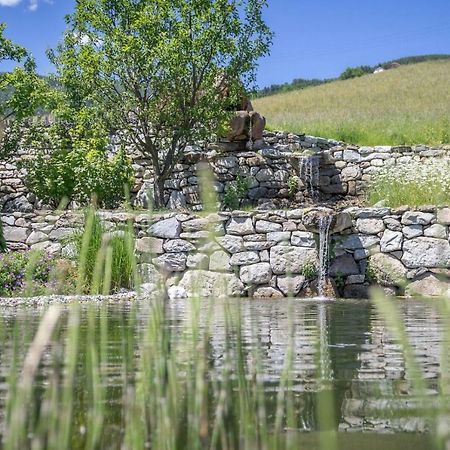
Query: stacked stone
{"x": 264, "y": 254}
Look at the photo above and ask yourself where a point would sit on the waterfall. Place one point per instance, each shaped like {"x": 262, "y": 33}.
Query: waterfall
{"x": 309, "y": 173}
{"x": 325, "y": 222}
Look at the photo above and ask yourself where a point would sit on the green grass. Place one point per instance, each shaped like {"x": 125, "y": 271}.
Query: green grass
{"x": 416, "y": 183}
{"x": 408, "y": 105}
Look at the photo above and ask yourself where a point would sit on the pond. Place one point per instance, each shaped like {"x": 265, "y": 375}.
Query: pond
{"x": 341, "y": 350}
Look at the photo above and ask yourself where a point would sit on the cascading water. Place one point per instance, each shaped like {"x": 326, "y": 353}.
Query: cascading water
{"x": 309, "y": 173}
{"x": 325, "y": 222}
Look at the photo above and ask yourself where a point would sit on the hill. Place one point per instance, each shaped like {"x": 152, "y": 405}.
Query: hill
{"x": 302, "y": 83}
{"x": 408, "y": 105}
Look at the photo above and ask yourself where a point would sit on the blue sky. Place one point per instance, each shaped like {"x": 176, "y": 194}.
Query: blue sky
{"x": 313, "y": 38}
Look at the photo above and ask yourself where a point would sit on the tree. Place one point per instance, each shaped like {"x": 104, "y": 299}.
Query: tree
{"x": 355, "y": 72}
{"x": 153, "y": 71}
{"x": 22, "y": 92}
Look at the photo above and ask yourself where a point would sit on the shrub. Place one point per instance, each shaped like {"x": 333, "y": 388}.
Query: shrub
{"x": 105, "y": 258}
{"x": 82, "y": 173}
{"x": 33, "y": 273}
{"x": 414, "y": 183}
{"x": 235, "y": 192}
{"x": 310, "y": 271}
{"x": 292, "y": 184}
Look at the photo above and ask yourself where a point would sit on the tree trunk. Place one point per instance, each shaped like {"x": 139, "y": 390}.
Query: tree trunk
{"x": 158, "y": 185}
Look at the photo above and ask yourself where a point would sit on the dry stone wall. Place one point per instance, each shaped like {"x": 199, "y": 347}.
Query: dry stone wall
{"x": 281, "y": 171}
{"x": 268, "y": 254}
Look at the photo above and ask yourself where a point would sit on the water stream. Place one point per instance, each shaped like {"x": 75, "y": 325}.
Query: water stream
{"x": 309, "y": 173}
{"x": 325, "y": 222}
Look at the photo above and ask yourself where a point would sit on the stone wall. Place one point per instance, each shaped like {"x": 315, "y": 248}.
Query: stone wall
{"x": 267, "y": 254}
{"x": 281, "y": 171}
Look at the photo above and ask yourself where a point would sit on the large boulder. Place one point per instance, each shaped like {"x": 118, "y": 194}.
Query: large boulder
{"x": 387, "y": 270}
{"x": 344, "y": 265}
{"x": 428, "y": 285}
{"x": 287, "y": 260}
{"x": 166, "y": 229}
{"x": 259, "y": 273}
{"x": 426, "y": 252}
{"x": 203, "y": 283}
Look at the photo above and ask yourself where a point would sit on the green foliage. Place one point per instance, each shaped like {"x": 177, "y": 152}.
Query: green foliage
{"x": 22, "y": 93}
{"x": 292, "y": 184}
{"x": 2, "y": 239}
{"x": 34, "y": 273}
{"x": 414, "y": 184}
{"x": 235, "y": 192}
{"x": 309, "y": 270}
{"x": 104, "y": 257}
{"x": 355, "y": 72}
{"x": 164, "y": 73}
{"x": 340, "y": 280}
{"x": 77, "y": 168}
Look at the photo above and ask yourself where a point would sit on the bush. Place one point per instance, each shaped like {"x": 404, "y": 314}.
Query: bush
{"x": 34, "y": 273}
{"x": 72, "y": 164}
{"x": 235, "y": 192}
{"x": 105, "y": 258}
{"x": 414, "y": 183}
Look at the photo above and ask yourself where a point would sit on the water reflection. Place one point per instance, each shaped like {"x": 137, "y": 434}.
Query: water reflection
{"x": 340, "y": 346}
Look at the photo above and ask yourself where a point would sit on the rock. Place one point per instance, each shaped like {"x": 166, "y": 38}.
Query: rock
{"x": 176, "y": 292}
{"x": 391, "y": 241}
{"x": 437, "y": 231}
{"x": 149, "y": 290}
{"x": 149, "y": 245}
{"x": 194, "y": 225}
{"x": 244, "y": 258}
{"x": 177, "y": 200}
{"x": 351, "y": 156}
{"x": 329, "y": 289}
{"x": 219, "y": 261}
{"x": 198, "y": 261}
{"x": 350, "y": 173}
{"x": 345, "y": 265}
{"x": 263, "y": 226}
{"x": 150, "y": 274}
{"x": 171, "y": 262}
{"x": 211, "y": 284}
{"x": 279, "y": 236}
{"x": 19, "y": 204}
{"x": 35, "y": 237}
{"x": 166, "y": 229}
{"x": 303, "y": 239}
{"x": 290, "y": 285}
{"x": 412, "y": 231}
{"x": 428, "y": 285}
{"x": 266, "y": 292}
{"x": 426, "y": 252}
{"x": 264, "y": 175}
{"x": 357, "y": 241}
{"x": 358, "y": 291}
{"x": 260, "y": 273}
{"x": 443, "y": 216}
{"x": 417, "y": 218}
{"x": 15, "y": 234}
{"x": 232, "y": 244}
{"x": 387, "y": 270}
{"x": 144, "y": 198}
{"x": 291, "y": 260}
{"x": 393, "y": 224}
{"x": 240, "y": 226}
{"x": 178, "y": 245}
{"x": 370, "y": 226}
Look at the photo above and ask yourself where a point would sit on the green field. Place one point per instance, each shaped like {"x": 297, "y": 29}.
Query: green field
{"x": 408, "y": 105}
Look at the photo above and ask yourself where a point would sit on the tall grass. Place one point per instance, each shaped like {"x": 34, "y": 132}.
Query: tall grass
{"x": 414, "y": 184}
{"x": 408, "y": 105}
{"x": 105, "y": 258}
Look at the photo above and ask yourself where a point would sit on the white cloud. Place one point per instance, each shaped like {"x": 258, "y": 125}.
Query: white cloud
{"x": 9, "y": 2}
{"x": 32, "y": 4}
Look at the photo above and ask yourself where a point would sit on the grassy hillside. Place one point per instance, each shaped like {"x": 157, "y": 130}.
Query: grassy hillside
{"x": 408, "y": 105}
